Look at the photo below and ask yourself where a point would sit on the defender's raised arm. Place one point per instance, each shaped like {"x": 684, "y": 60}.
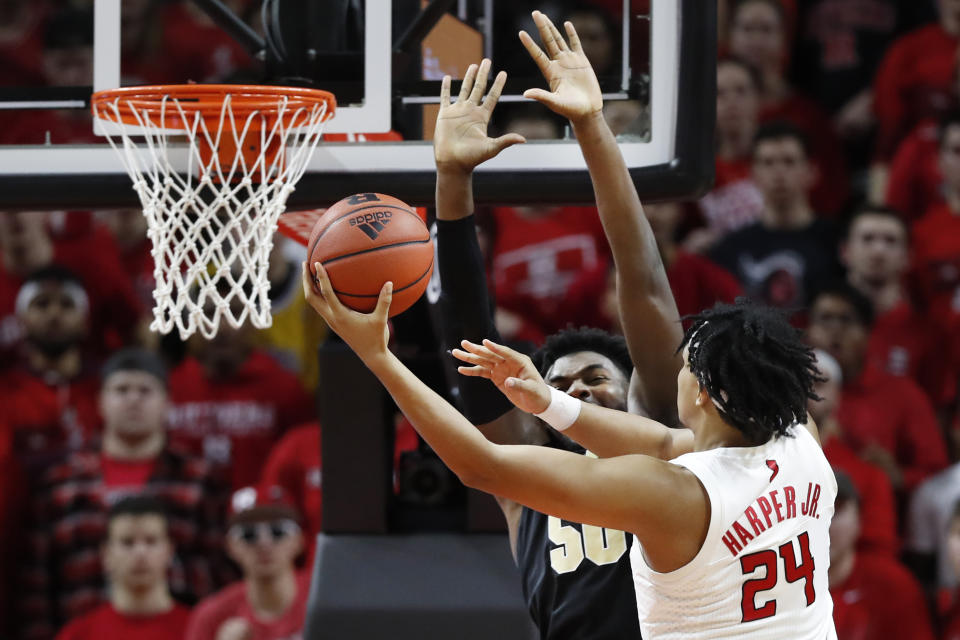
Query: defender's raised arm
{"x": 648, "y": 311}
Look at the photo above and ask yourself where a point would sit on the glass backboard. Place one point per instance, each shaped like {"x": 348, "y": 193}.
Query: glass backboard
{"x": 384, "y": 60}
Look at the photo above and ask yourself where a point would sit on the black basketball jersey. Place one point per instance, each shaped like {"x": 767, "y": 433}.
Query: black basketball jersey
{"x": 576, "y": 578}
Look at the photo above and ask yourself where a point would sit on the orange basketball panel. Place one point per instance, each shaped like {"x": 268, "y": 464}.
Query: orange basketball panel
{"x": 357, "y": 279}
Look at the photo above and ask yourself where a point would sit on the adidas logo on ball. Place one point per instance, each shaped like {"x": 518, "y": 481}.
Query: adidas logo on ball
{"x": 403, "y": 251}
{"x": 372, "y": 224}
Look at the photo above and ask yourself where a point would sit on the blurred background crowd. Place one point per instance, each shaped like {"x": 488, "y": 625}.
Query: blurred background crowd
{"x": 188, "y": 474}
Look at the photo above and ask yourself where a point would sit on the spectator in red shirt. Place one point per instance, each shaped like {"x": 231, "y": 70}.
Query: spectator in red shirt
{"x": 136, "y": 555}
{"x": 886, "y": 419}
{"x": 734, "y": 200}
{"x": 759, "y": 36}
{"x": 915, "y": 184}
{"x": 903, "y": 342}
{"x": 49, "y": 401}
{"x": 936, "y": 238}
{"x": 25, "y": 247}
{"x": 231, "y": 402}
{"x": 935, "y": 269}
{"x": 270, "y": 603}
{"x": 29, "y": 241}
{"x": 874, "y": 597}
{"x": 61, "y": 573}
{"x": 789, "y": 252}
{"x": 915, "y": 81}
{"x": 878, "y": 530}
{"x": 295, "y": 466}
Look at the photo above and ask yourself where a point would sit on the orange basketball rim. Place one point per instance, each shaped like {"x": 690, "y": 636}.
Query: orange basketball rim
{"x": 213, "y": 166}
{"x": 242, "y": 124}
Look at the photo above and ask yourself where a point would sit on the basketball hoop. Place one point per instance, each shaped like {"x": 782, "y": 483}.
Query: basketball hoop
{"x": 212, "y": 228}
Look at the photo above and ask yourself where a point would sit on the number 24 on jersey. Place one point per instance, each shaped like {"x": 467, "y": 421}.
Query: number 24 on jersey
{"x": 769, "y": 560}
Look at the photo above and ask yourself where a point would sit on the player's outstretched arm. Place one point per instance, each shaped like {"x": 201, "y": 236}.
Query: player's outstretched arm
{"x": 460, "y": 140}
{"x": 647, "y": 308}
{"x": 460, "y": 143}
{"x": 605, "y": 432}
{"x": 657, "y": 501}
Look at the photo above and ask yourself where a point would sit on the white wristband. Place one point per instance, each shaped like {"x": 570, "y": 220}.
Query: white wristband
{"x": 562, "y": 412}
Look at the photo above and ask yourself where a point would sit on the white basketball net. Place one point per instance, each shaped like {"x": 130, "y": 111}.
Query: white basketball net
{"x": 212, "y": 228}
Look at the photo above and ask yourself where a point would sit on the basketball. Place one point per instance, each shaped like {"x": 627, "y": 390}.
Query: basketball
{"x": 367, "y": 239}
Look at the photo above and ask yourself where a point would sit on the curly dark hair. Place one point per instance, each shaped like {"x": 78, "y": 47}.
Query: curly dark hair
{"x": 754, "y": 365}
{"x": 570, "y": 341}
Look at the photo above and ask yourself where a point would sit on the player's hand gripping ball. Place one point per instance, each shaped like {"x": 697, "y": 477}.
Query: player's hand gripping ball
{"x": 367, "y": 239}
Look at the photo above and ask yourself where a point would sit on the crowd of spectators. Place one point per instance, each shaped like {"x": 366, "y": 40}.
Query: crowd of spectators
{"x": 146, "y": 476}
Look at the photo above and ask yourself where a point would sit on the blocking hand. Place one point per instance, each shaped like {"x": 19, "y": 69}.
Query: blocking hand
{"x": 512, "y": 372}
{"x": 574, "y": 90}
{"x": 460, "y": 138}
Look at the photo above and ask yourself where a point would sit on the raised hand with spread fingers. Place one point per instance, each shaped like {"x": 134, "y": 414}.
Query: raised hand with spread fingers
{"x": 574, "y": 90}
{"x": 460, "y": 138}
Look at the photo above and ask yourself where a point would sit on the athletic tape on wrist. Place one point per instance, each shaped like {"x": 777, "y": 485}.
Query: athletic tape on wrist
{"x": 562, "y": 412}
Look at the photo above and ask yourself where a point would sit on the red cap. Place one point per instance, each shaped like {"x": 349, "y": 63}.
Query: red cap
{"x": 257, "y": 504}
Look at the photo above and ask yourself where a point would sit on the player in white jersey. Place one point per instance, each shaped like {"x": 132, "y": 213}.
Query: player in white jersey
{"x": 762, "y": 569}
{"x": 732, "y": 536}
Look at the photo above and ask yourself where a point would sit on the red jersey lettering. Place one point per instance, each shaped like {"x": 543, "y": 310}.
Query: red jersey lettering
{"x": 765, "y": 509}
{"x": 789, "y": 495}
{"x": 758, "y": 527}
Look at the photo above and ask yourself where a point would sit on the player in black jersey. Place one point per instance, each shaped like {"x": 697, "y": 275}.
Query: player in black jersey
{"x": 576, "y": 579}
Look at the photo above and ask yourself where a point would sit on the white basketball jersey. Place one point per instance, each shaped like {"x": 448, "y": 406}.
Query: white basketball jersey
{"x": 762, "y": 570}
